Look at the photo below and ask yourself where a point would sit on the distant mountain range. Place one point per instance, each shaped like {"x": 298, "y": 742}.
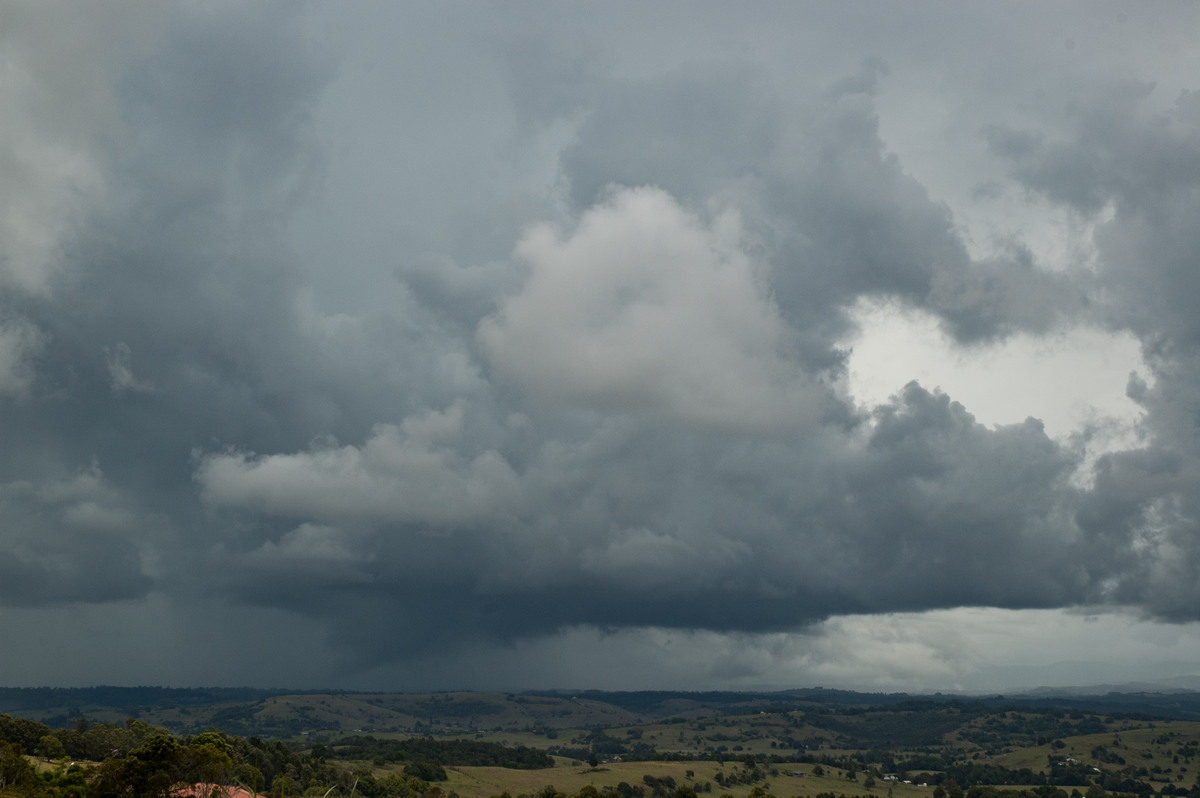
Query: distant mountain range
{"x": 285, "y": 713}
{"x": 1176, "y": 684}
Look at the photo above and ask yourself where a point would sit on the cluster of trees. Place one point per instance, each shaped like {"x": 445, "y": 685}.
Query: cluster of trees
{"x": 600, "y": 744}
{"x": 748, "y": 774}
{"x": 82, "y": 740}
{"x": 442, "y": 752}
{"x": 661, "y": 787}
{"x": 136, "y": 760}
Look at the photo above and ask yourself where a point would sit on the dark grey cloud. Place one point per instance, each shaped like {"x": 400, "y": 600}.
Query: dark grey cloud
{"x": 838, "y": 214}
{"x": 1138, "y": 165}
{"x": 691, "y": 132}
{"x": 72, "y": 541}
{"x": 644, "y": 526}
{"x": 506, "y": 336}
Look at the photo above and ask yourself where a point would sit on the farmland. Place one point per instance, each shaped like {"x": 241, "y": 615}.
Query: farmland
{"x": 801, "y": 744}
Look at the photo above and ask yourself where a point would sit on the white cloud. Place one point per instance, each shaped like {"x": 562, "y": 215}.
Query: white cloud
{"x": 645, "y": 308}
{"x": 56, "y": 88}
{"x": 120, "y": 369}
{"x": 309, "y": 542}
{"x": 20, "y": 341}
{"x": 315, "y": 555}
{"x": 406, "y": 473}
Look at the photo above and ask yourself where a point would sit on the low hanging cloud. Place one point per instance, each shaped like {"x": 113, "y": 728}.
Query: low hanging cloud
{"x": 406, "y": 473}
{"x": 927, "y": 509}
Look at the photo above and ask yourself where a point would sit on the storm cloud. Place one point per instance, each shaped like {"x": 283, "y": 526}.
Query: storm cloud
{"x": 424, "y": 340}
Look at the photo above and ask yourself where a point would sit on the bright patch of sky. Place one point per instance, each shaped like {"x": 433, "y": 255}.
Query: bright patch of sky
{"x": 1070, "y": 380}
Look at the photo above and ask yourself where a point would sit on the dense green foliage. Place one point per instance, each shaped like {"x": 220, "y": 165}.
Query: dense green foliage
{"x": 135, "y": 760}
{"x": 443, "y": 752}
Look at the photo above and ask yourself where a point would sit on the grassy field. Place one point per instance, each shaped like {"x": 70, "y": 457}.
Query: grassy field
{"x": 1168, "y": 750}
{"x": 483, "y": 782}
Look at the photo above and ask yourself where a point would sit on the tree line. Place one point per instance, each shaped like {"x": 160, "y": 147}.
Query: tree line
{"x": 136, "y": 760}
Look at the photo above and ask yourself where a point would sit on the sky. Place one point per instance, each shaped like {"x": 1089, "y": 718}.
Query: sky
{"x": 618, "y": 345}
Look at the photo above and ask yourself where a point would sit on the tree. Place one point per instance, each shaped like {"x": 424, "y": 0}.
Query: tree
{"x": 425, "y": 770}
{"x": 15, "y": 770}
{"x": 152, "y": 770}
{"x": 284, "y": 787}
{"x": 208, "y": 758}
{"x": 66, "y": 781}
{"x": 51, "y": 747}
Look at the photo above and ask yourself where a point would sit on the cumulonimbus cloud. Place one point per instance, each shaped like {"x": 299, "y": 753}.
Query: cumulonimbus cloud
{"x": 579, "y": 330}
{"x": 644, "y": 307}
